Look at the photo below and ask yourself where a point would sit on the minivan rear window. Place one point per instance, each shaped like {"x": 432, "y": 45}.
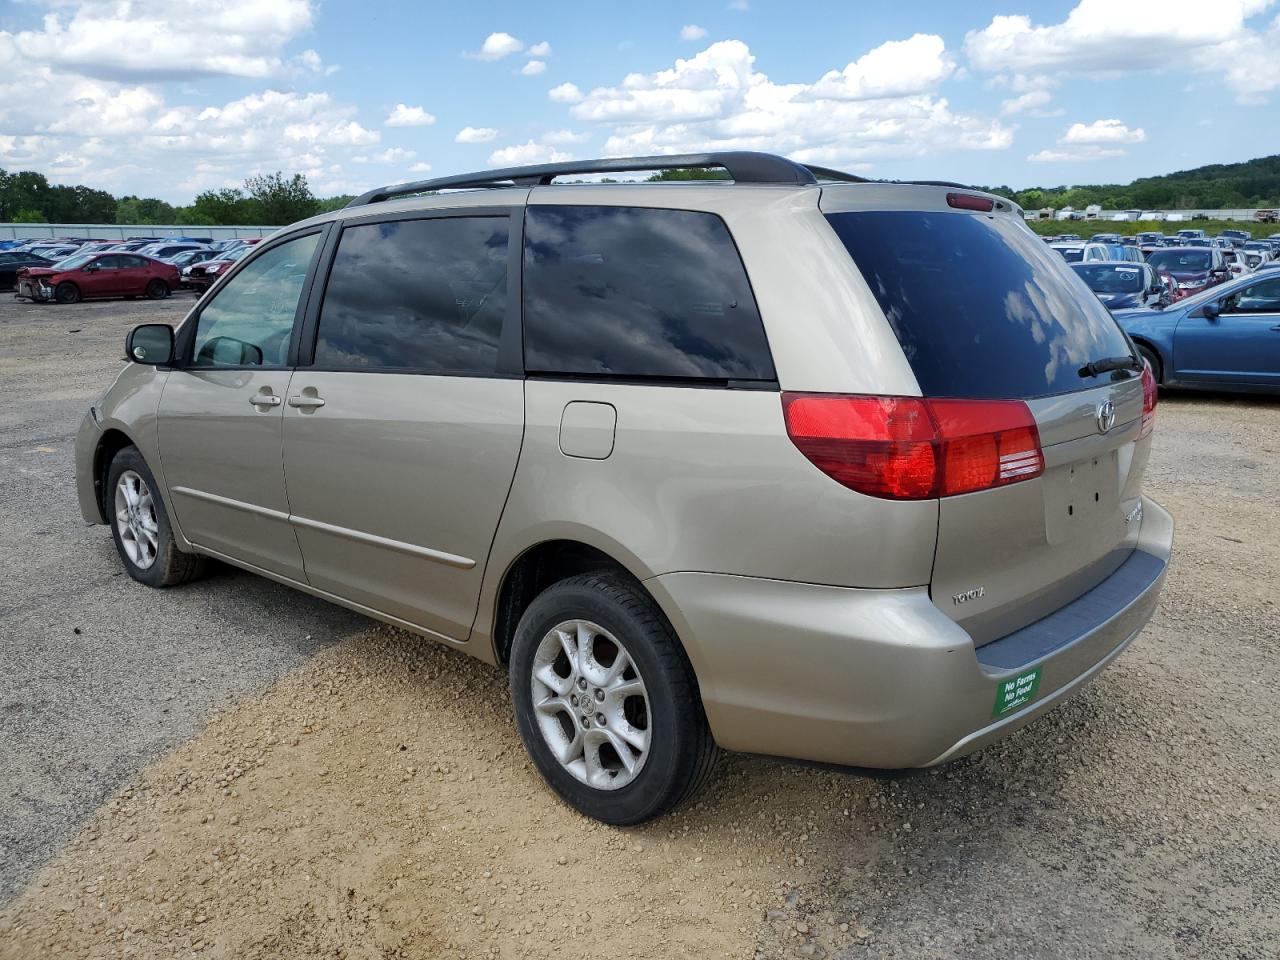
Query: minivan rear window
{"x": 982, "y": 308}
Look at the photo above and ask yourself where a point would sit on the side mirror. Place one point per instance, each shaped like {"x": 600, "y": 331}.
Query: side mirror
{"x": 229, "y": 352}
{"x": 1210, "y": 310}
{"x": 150, "y": 343}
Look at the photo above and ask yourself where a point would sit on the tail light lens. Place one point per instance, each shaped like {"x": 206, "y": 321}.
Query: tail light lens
{"x": 913, "y": 448}
{"x": 1149, "y": 394}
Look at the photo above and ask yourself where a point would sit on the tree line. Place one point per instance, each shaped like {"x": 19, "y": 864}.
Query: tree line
{"x": 273, "y": 199}
{"x": 1254, "y": 183}
{"x": 269, "y": 199}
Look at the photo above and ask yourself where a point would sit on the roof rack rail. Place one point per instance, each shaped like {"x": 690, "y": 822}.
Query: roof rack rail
{"x": 742, "y": 166}
{"x": 826, "y": 173}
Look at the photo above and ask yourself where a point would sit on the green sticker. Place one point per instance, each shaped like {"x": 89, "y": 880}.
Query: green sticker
{"x": 1017, "y": 691}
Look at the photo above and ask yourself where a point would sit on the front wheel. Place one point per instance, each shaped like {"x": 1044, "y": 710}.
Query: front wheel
{"x": 606, "y": 702}
{"x": 140, "y": 525}
{"x": 157, "y": 290}
{"x": 67, "y": 292}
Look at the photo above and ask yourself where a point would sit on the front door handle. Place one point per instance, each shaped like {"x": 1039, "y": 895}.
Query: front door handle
{"x": 305, "y": 402}
{"x": 265, "y": 400}
{"x": 1276, "y": 328}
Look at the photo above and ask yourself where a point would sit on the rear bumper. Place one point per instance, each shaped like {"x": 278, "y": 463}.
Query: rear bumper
{"x": 883, "y": 678}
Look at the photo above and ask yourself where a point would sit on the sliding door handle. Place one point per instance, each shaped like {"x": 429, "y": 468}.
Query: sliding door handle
{"x": 305, "y": 402}
{"x": 265, "y": 400}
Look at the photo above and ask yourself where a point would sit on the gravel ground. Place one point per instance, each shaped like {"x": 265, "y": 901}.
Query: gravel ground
{"x": 376, "y": 802}
{"x": 96, "y": 677}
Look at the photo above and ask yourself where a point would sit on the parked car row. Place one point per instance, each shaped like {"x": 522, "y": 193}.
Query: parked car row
{"x": 1180, "y": 266}
{"x": 68, "y": 269}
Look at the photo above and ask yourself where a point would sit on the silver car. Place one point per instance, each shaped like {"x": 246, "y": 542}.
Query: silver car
{"x": 792, "y": 463}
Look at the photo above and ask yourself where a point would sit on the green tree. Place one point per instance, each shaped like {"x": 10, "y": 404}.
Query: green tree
{"x": 191, "y": 217}
{"x": 146, "y": 210}
{"x": 690, "y": 173}
{"x": 24, "y": 190}
{"x": 329, "y": 204}
{"x": 224, "y": 207}
{"x": 281, "y": 200}
{"x": 29, "y": 216}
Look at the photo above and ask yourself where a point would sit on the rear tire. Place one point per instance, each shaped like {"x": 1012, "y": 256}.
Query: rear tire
{"x": 157, "y": 290}
{"x": 140, "y": 525}
{"x": 1153, "y": 360}
{"x": 66, "y": 292}
{"x": 618, "y": 731}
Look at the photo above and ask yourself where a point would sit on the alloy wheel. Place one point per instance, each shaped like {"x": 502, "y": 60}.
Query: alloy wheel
{"x": 590, "y": 704}
{"x": 136, "y": 520}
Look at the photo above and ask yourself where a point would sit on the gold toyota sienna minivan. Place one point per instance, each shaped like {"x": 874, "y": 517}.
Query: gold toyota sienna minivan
{"x": 791, "y": 462}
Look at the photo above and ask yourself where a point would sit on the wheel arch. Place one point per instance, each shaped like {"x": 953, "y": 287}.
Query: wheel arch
{"x": 538, "y": 567}
{"x": 112, "y": 441}
{"x": 1151, "y": 345}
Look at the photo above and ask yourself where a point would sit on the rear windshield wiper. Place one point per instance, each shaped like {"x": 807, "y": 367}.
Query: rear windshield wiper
{"x": 1107, "y": 364}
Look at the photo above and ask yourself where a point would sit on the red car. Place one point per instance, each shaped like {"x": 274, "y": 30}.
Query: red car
{"x": 85, "y": 276}
{"x": 202, "y": 276}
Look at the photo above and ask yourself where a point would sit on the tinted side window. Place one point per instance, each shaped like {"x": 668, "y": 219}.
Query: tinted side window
{"x": 249, "y": 321}
{"x": 635, "y": 292}
{"x": 423, "y": 295}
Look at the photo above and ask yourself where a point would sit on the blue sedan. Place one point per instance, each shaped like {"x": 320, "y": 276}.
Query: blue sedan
{"x": 1226, "y": 338}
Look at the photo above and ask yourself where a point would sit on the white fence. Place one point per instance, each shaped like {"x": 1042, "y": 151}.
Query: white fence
{"x": 1173, "y": 216}
{"x": 123, "y": 231}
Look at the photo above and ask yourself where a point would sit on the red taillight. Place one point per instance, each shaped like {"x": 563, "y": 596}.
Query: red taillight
{"x": 910, "y": 448}
{"x": 1149, "y": 394}
{"x": 965, "y": 201}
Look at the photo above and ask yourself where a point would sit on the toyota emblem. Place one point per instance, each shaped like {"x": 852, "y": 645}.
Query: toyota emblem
{"x": 1106, "y": 416}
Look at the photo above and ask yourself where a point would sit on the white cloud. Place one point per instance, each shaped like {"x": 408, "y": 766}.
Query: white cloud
{"x": 1026, "y": 101}
{"x": 691, "y": 31}
{"x": 565, "y": 136}
{"x": 117, "y": 40}
{"x": 533, "y": 68}
{"x": 893, "y": 69}
{"x": 1075, "y": 154}
{"x": 1099, "y": 140}
{"x": 525, "y": 153}
{"x": 1141, "y": 35}
{"x": 420, "y": 168}
{"x": 496, "y": 46}
{"x": 308, "y": 61}
{"x": 390, "y": 155}
{"x": 717, "y": 100}
{"x": 406, "y": 116}
{"x": 542, "y": 49}
{"x": 475, "y": 135}
{"x": 1103, "y": 131}
{"x": 1247, "y": 63}
{"x": 565, "y": 93}
{"x": 139, "y": 142}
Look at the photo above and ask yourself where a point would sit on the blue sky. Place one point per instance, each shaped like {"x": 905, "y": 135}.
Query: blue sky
{"x": 169, "y": 98}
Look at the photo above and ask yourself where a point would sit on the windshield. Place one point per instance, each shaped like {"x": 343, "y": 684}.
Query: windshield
{"x": 75, "y": 261}
{"x": 1180, "y": 260}
{"x": 1104, "y": 278}
{"x": 981, "y": 307}
{"x": 1072, "y": 254}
